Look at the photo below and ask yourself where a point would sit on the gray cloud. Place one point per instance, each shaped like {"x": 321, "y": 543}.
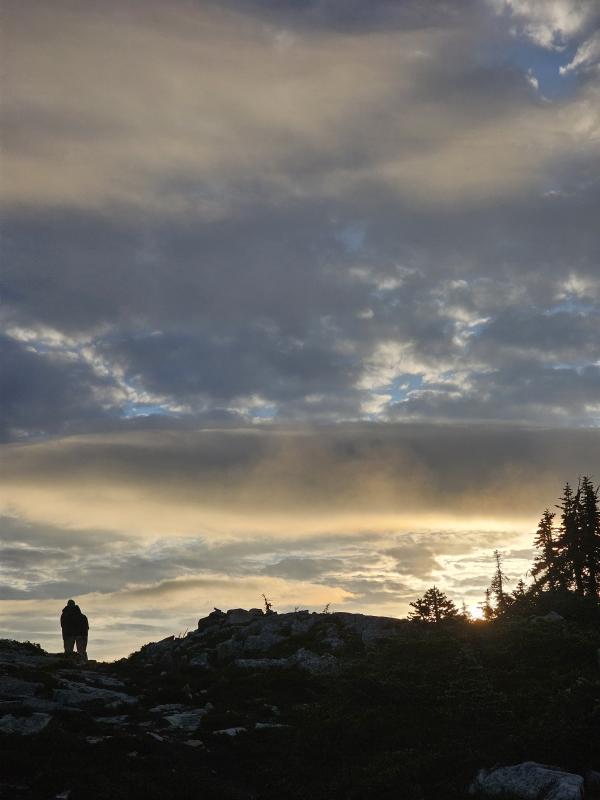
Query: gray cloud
{"x": 312, "y": 288}
{"x": 44, "y": 393}
{"x": 356, "y": 241}
{"x": 174, "y": 478}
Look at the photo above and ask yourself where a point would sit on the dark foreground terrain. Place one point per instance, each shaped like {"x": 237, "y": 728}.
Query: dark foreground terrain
{"x": 302, "y": 706}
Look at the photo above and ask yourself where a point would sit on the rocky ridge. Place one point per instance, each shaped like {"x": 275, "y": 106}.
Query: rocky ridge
{"x": 180, "y": 716}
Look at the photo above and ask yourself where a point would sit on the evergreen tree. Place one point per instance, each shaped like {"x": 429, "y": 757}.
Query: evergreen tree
{"x": 434, "y": 606}
{"x": 497, "y": 585}
{"x": 465, "y": 613}
{"x": 486, "y": 606}
{"x": 570, "y": 558}
{"x": 545, "y": 570}
{"x": 589, "y": 536}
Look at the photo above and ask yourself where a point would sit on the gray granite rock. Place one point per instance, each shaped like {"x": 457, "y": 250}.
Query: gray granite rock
{"x": 239, "y": 616}
{"x": 528, "y": 781}
{"x": 188, "y": 721}
{"x": 262, "y": 663}
{"x": 24, "y": 726}
{"x": 313, "y": 663}
{"x": 230, "y": 731}
{"x": 120, "y": 719}
{"x": 15, "y": 687}
{"x": 199, "y": 660}
{"x": 104, "y": 681}
{"x": 72, "y": 693}
{"x": 168, "y": 708}
{"x": 40, "y": 704}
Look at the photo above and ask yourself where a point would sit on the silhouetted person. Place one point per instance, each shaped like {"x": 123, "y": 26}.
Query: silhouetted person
{"x": 75, "y": 628}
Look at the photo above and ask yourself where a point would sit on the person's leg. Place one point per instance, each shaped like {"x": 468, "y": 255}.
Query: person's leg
{"x": 69, "y": 642}
{"x": 81, "y": 642}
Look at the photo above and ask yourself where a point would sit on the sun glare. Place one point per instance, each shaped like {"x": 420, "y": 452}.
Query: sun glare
{"x": 476, "y": 612}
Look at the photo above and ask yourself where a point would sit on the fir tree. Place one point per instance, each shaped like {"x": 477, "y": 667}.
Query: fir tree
{"x": 434, "y": 606}
{"x": 570, "y": 561}
{"x": 486, "y": 607}
{"x": 497, "y": 585}
{"x": 465, "y": 613}
{"x": 589, "y": 536}
{"x": 545, "y": 570}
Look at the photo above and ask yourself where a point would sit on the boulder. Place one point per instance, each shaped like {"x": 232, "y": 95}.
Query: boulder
{"x": 302, "y": 622}
{"x": 229, "y": 649}
{"x": 262, "y": 642}
{"x": 214, "y": 619}
{"x": 239, "y": 616}
{"x": 313, "y": 663}
{"x": 551, "y": 616}
{"x": 592, "y": 782}
{"x": 24, "y": 726}
{"x": 199, "y": 661}
{"x": 528, "y": 781}
{"x": 369, "y": 629}
{"x": 154, "y": 650}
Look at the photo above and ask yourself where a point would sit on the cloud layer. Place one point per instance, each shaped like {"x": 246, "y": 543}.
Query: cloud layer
{"x": 150, "y": 531}
{"x": 248, "y": 210}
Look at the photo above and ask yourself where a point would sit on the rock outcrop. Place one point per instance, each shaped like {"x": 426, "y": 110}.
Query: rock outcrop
{"x": 528, "y": 781}
{"x": 251, "y": 639}
{"x": 253, "y": 705}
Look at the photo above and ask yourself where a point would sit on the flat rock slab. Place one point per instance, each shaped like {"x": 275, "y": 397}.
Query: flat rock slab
{"x": 15, "y": 687}
{"x": 118, "y": 720}
{"x": 264, "y": 726}
{"x": 104, "y": 681}
{"x": 169, "y": 708}
{"x": 262, "y": 663}
{"x": 528, "y": 781}
{"x": 188, "y": 720}
{"x": 76, "y": 694}
{"x": 24, "y": 657}
{"x": 230, "y": 731}
{"x": 24, "y": 726}
{"x": 40, "y": 704}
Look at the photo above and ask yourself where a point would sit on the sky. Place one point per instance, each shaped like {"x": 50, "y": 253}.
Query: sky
{"x": 298, "y": 297}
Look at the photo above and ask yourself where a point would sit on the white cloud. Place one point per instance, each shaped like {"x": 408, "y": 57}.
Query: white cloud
{"x": 587, "y": 57}
{"x": 548, "y": 23}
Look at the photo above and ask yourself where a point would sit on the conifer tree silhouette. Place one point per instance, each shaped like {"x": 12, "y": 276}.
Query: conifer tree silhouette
{"x": 497, "y": 585}
{"x": 589, "y": 535}
{"x": 434, "y": 606}
{"x": 486, "y": 606}
{"x": 545, "y": 568}
{"x": 569, "y": 545}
